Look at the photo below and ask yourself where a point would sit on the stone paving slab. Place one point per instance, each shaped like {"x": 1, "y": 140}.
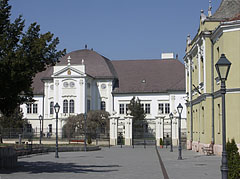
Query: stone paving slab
{"x": 193, "y": 165}
{"x": 113, "y": 163}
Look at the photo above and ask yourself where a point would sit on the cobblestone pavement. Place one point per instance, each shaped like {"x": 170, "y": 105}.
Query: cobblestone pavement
{"x": 113, "y": 163}
{"x": 193, "y": 165}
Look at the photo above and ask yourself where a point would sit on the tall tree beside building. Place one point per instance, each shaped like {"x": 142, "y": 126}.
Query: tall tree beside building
{"x": 22, "y": 56}
{"x": 138, "y": 114}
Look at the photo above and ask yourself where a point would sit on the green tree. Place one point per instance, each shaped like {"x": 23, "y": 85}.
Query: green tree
{"x": 74, "y": 126}
{"x": 96, "y": 121}
{"x": 138, "y": 116}
{"x": 15, "y": 120}
{"x": 233, "y": 160}
{"x": 22, "y": 56}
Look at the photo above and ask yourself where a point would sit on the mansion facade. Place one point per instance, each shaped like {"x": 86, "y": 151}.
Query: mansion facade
{"x": 84, "y": 80}
{"x": 218, "y": 34}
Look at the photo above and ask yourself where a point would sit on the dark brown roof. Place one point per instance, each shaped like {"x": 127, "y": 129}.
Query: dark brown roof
{"x": 227, "y": 9}
{"x": 159, "y": 75}
{"x": 138, "y": 76}
{"x": 97, "y": 65}
{"x": 37, "y": 81}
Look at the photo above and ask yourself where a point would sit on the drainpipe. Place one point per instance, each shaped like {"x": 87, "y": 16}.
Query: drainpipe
{"x": 191, "y": 105}
{"x": 212, "y": 92}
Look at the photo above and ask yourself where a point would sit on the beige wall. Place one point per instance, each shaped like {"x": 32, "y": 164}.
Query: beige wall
{"x": 228, "y": 43}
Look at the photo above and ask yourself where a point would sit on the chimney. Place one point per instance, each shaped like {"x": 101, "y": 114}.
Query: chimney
{"x": 167, "y": 56}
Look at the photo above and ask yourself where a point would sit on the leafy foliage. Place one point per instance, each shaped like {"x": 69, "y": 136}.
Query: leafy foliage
{"x": 138, "y": 117}
{"x": 22, "y": 56}
{"x": 233, "y": 160}
{"x": 97, "y": 121}
{"x": 136, "y": 110}
{"x": 13, "y": 121}
{"x": 73, "y": 126}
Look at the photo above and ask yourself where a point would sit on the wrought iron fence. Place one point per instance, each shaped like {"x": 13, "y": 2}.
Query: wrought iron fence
{"x": 97, "y": 137}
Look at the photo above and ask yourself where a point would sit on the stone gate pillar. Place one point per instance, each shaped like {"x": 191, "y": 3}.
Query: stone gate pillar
{"x": 113, "y": 129}
{"x": 159, "y": 129}
{"x": 128, "y": 130}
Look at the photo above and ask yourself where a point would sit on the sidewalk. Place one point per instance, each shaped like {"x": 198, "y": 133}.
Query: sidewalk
{"x": 193, "y": 165}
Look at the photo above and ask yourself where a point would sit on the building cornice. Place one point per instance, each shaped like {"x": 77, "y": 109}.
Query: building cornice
{"x": 225, "y": 27}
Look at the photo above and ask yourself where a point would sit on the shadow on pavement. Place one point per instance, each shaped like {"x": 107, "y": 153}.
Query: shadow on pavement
{"x": 52, "y": 167}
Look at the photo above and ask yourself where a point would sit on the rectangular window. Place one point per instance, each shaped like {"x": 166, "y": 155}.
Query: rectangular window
{"x": 127, "y": 105}
{"x": 160, "y": 108}
{"x": 29, "y": 108}
{"x": 35, "y": 108}
{"x": 121, "y": 108}
{"x": 51, "y": 108}
{"x": 50, "y": 128}
{"x": 147, "y": 108}
{"x": 103, "y": 105}
{"x": 88, "y": 105}
{"x": 167, "y": 108}
{"x": 142, "y": 107}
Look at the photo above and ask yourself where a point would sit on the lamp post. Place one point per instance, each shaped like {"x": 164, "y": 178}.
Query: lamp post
{"x": 171, "y": 118}
{"x": 40, "y": 119}
{"x": 56, "y": 108}
{"x": 223, "y": 67}
{"x": 179, "y": 108}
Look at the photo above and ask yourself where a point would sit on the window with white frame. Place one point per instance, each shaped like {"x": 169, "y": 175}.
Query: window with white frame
{"x": 35, "y": 108}
{"x": 51, "y": 107}
{"x": 29, "y": 108}
{"x": 121, "y": 109}
{"x": 147, "y": 108}
{"x": 142, "y": 107}
{"x": 161, "y": 108}
{"x": 127, "y": 107}
{"x": 164, "y": 108}
{"x": 167, "y": 108}
{"x": 71, "y": 106}
{"x": 88, "y": 105}
{"x": 65, "y": 106}
{"x": 103, "y": 105}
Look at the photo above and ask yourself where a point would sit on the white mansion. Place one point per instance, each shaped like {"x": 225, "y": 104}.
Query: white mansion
{"x": 84, "y": 80}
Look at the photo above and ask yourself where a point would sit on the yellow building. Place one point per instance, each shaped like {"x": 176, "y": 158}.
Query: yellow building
{"x": 217, "y": 34}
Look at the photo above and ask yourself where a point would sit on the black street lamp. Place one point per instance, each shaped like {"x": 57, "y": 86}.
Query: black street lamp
{"x": 56, "y": 108}
{"x": 223, "y": 67}
{"x": 180, "y": 109}
{"x": 40, "y": 119}
{"x": 171, "y": 118}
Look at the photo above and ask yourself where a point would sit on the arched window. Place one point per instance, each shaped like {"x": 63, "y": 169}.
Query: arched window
{"x": 51, "y": 107}
{"x": 71, "y": 106}
{"x": 65, "y": 106}
{"x": 103, "y": 105}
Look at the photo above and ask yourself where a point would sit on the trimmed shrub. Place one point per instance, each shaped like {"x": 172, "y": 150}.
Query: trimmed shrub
{"x": 233, "y": 158}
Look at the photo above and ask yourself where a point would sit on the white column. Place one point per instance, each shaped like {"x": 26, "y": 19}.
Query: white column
{"x": 128, "y": 130}
{"x": 113, "y": 130}
{"x": 159, "y": 128}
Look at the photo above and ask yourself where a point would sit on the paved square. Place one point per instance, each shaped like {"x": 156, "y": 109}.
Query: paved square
{"x": 113, "y": 163}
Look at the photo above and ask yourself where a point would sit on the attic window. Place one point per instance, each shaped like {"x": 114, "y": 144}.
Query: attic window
{"x": 143, "y": 81}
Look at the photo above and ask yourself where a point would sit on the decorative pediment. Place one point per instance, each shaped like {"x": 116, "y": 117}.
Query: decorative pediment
{"x": 68, "y": 72}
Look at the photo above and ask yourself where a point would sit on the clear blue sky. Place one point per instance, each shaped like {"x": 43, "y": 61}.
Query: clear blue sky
{"x": 117, "y": 29}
